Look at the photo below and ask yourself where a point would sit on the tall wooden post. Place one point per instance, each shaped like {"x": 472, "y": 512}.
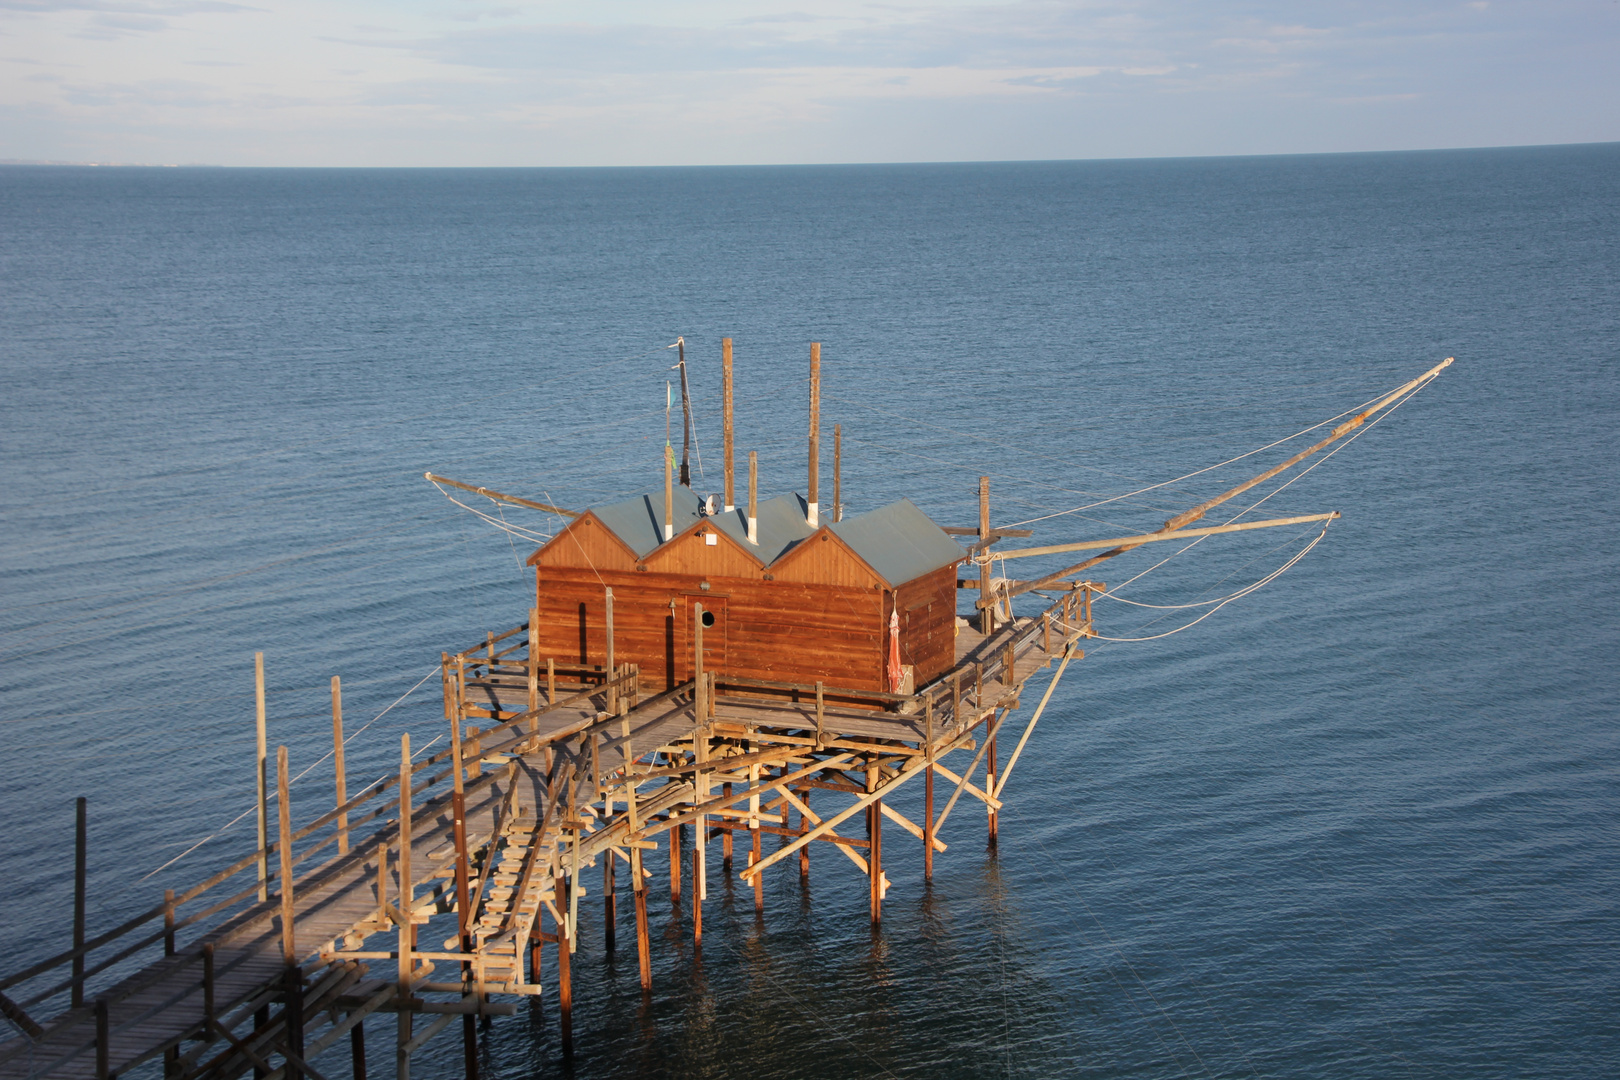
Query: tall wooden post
{"x": 987, "y": 617}
{"x": 407, "y": 890}
{"x": 610, "y": 904}
{"x": 639, "y": 894}
{"x": 874, "y": 854}
{"x": 342, "y": 783}
{"x": 669, "y": 492}
{"x": 838, "y": 472}
{"x": 990, "y": 783}
{"x": 565, "y": 982}
{"x": 753, "y": 497}
{"x": 700, "y": 827}
{"x": 804, "y": 825}
{"x": 293, "y": 1010}
{"x": 607, "y": 613}
{"x": 458, "y": 832}
{"x": 261, "y": 780}
{"x": 725, "y": 835}
{"x": 80, "y": 858}
{"x": 357, "y": 1051}
{"x": 725, "y": 406}
{"x": 928, "y": 798}
{"x": 812, "y": 512}
{"x": 534, "y": 668}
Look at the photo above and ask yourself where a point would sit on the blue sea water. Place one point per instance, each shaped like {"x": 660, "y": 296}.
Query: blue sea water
{"x": 1361, "y": 823}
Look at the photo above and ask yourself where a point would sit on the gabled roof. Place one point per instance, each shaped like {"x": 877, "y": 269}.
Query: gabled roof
{"x": 899, "y": 541}
{"x": 639, "y": 521}
{"x": 781, "y": 527}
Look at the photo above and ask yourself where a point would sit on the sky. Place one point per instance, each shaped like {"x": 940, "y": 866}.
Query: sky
{"x": 631, "y": 82}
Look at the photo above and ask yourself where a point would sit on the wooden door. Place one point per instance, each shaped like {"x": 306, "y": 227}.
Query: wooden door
{"x": 715, "y": 630}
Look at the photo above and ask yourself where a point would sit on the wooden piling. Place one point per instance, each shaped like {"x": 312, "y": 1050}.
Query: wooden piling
{"x": 342, "y": 783}
{"x": 357, "y": 1051}
{"x": 725, "y": 834}
{"x": 928, "y": 823}
{"x": 80, "y": 856}
{"x": 697, "y": 884}
{"x": 804, "y": 826}
{"x": 261, "y": 780}
{"x": 168, "y": 922}
{"x": 725, "y": 408}
{"x": 754, "y": 857}
{"x": 613, "y": 691}
{"x": 534, "y": 668}
{"x": 610, "y": 904}
{"x": 638, "y": 892}
{"x": 812, "y": 513}
{"x": 565, "y": 983}
{"x": 675, "y": 866}
{"x": 990, "y": 784}
{"x": 874, "y": 853}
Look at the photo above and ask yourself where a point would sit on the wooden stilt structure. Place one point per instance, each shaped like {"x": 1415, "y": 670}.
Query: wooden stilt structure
{"x": 622, "y": 753}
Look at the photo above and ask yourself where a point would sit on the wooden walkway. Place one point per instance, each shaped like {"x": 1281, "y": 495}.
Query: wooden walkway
{"x": 564, "y": 777}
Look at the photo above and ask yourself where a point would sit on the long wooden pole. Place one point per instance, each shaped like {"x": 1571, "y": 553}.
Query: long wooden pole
{"x": 669, "y": 492}
{"x": 261, "y": 778}
{"x": 498, "y": 497}
{"x": 1156, "y": 537}
{"x": 987, "y": 621}
{"x": 753, "y": 497}
{"x": 80, "y": 860}
{"x": 341, "y": 774}
{"x": 639, "y": 894}
{"x": 402, "y": 1052}
{"x": 612, "y": 672}
{"x": 293, "y": 978}
{"x": 686, "y": 412}
{"x": 1189, "y": 516}
{"x": 464, "y": 914}
{"x": 813, "y": 512}
{"x": 726, "y": 404}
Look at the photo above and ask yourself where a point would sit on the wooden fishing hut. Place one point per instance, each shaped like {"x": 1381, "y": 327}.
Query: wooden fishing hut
{"x": 783, "y": 600}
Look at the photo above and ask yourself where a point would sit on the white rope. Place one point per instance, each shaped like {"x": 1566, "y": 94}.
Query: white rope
{"x": 273, "y": 795}
{"x": 501, "y": 523}
{"x": 1268, "y": 579}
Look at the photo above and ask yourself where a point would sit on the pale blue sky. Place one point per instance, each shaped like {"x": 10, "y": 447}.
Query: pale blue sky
{"x": 458, "y": 82}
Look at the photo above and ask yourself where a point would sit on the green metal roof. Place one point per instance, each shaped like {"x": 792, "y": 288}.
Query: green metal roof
{"x": 899, "y": 541}
{"x": 639, "y": 522}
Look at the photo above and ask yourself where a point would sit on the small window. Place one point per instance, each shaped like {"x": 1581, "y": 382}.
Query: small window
{"x": 708, "y": 618}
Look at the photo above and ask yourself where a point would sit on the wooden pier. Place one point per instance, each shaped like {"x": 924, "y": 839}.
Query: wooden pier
{"x": 571, "y": 771}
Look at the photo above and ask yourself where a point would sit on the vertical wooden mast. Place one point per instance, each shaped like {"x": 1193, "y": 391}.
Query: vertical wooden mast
{"x": 753, "y": 497}
{"x": 669, "y": 492}
{"x": 813, "y": 512}
{"x": 987, "y": 620}
{"x": 726, "y": 404}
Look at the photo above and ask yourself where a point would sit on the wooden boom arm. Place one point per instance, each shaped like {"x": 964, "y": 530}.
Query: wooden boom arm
{"x": 498, "y": 497}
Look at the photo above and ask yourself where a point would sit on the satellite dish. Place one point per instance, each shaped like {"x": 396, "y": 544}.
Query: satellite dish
{"x": 711, "y": 505}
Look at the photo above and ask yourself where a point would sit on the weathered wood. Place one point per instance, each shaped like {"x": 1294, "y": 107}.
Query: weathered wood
{"x": 1156, "y": 537}
{"x": 289, "y": 945}
{"x": 261, "y": 778}
{"x": 812, "y": 511}
{"x": 753, "y": 497}
{"x": 838, "y": 472}
{"x": 341, "y": 780}
{"x": 80, "y": 857}
{"x": 498, "y": 497}
{"x": 725, "y": 409}
{"x": 987, "y": 617}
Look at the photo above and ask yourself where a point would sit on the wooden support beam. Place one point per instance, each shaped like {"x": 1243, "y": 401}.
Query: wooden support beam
{"x": 838, "y": 472}
{"x": 565, "y": 982}
{"x": 498, "y": 497}
{"x": 753, "y": 497}
{"x": 1156, "y": 537}
{"x": 289, "y": 947}
{"x": 987, "y": 615}
{"x": 406, "y": 930}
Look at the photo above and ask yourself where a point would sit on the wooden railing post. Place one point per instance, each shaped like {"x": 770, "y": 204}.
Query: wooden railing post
{"x": 168, "y": 922}
{"x": 79, "y": 860}
{"x": 208, "y": 989}
{"x": 342, "y": 779}
{"x": 261, "y": 780}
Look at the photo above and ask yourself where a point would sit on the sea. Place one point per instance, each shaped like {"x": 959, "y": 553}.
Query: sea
{"x": 1360, "y": 822}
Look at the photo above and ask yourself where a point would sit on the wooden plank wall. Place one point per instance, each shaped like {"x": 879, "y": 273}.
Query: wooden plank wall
{"x": 928, "y": 623}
